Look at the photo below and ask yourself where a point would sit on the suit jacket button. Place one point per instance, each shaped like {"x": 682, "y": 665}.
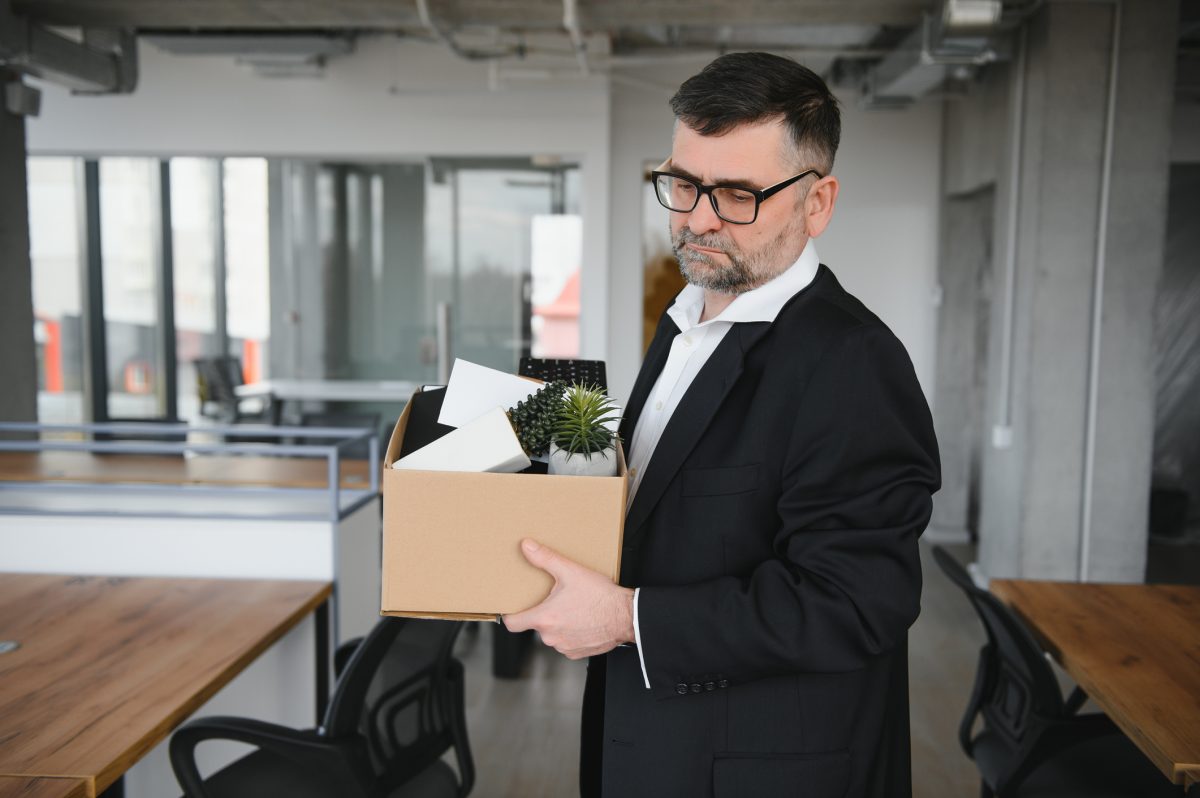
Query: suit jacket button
{"x": 681, "y": 688}
{"x": 709, "y": 686}
{"x": 723, "y": 683}
{"x": 696, "y": 687}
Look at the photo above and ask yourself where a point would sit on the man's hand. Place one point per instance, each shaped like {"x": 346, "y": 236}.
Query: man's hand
{"x": 585, "y": 613}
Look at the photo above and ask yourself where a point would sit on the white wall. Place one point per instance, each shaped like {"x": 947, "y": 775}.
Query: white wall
{"x": 882, "y": 244}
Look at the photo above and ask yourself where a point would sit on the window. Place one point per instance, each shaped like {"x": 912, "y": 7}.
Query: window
{"x": 195, "y": 240}
{"x": 182, "y": 270}
{"x": 247, "y": 264}
{"x": 130, "y": 243}
{"x": 55, "y": 199}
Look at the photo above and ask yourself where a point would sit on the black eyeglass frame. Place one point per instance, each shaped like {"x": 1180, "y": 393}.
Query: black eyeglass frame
{"x": 761, "y": 195}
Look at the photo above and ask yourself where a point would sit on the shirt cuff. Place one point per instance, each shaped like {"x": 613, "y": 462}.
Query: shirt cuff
{"x": 637, "y": 636}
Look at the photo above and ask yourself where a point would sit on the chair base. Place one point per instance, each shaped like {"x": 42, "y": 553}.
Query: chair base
{"x": 1104, "y": 767}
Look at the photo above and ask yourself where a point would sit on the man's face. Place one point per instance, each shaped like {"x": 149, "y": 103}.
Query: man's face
{"x": 734, "y": 258}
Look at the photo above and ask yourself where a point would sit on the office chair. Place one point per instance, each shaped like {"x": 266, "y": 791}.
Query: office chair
{"x": 397, "y": 707}
{"x": 1034, "y": 743}
{"x": 216, "y": 379}
{"x": 588, "y": 372}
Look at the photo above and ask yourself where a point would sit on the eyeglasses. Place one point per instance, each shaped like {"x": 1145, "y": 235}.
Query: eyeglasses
{"x": 734, "y": 204}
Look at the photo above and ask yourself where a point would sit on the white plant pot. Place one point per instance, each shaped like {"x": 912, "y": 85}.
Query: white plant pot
{"x": 594, "y": 464}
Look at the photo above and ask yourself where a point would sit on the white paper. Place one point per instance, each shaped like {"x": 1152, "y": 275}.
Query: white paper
{"x": 475, "y": 389}
{"x": 486, "y": 444}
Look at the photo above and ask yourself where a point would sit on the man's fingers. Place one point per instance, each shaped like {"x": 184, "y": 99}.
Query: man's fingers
{"x": 519, "y": 621}
{"x": 545, "y": 558}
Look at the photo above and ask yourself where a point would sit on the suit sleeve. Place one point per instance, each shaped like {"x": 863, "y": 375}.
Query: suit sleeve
{"x": 844, "y": 582}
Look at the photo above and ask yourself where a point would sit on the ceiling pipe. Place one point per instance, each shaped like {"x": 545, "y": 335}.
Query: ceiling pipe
{"x": 571, "y": 23}
{"x": 666, "y": 55}
{"x": 1097, "y": 319}
{"x": 445, "y": 38}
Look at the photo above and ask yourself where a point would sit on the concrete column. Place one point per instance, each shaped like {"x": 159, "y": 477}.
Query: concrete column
{"x": 1066, "y": 474}
{"x": 18, "y": 359}
{"x": 965, "y": 277}
{"x": 973, "y": 149}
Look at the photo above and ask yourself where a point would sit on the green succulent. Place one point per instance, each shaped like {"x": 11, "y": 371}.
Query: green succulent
{"x": 584, "y": 414}
{"x": 533, "y": 419}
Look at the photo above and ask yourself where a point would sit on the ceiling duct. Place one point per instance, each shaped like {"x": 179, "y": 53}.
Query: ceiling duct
{"x": 272, "y": 55}
{"x": 963, "y": 36}
{"x": 101, "y": 61}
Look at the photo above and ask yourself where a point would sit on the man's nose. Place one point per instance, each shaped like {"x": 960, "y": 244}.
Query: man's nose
{"x": 703, "y": 218}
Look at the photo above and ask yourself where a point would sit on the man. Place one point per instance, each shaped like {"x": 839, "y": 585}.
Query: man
{"x": 782, "y": 460}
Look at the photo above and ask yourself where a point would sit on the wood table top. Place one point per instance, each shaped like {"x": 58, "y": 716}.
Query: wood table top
{"x": 1135, "y": 649}
{"x": 108, "y": 666}
{"x": 159, "y": 469}
{"x": 42, "y": 787}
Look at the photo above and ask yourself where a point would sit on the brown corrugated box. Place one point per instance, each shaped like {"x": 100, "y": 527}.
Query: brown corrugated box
{"x": 451, "y": 540}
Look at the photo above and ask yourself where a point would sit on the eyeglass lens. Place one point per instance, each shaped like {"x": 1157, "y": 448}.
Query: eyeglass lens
{"x": 731, "y": 204}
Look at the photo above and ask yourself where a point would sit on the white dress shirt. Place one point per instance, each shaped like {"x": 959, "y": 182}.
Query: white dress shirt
{"x": 690, "y": 350}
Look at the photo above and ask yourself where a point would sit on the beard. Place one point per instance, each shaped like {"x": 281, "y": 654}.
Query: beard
{"x": 745, "y": 270}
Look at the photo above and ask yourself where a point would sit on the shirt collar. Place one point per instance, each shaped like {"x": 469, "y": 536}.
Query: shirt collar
{"x": 760, "y": 304}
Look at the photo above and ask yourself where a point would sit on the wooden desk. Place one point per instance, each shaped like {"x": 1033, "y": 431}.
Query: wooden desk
{"x": 41, "y": 787}
{"x": 107, "y": 667}
{"x": 157, "y": 469}
{"x": 1135, "y": 649}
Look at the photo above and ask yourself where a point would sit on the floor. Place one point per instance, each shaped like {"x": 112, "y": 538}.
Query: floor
{"x": 525, "y": 732}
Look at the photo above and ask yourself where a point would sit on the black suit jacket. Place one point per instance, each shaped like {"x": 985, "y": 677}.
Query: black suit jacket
{"x": 774, "y": 539}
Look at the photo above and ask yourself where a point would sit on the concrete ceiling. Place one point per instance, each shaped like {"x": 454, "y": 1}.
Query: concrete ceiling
{"x": 390, "y": 15}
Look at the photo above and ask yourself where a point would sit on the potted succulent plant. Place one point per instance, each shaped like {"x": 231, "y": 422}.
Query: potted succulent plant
{"x": 583, "y": 440}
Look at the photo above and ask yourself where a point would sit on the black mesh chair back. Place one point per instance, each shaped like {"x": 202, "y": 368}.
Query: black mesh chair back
{"x": 1033, "y": 742}
{"x": 1021, "y": 683}
{"x": 1015, "y": 690}
{"x": 401, "y": 692}
{"x": 397, "y": 708}
{"x": 216, "y": 378}
{"x": 585, "y": 372}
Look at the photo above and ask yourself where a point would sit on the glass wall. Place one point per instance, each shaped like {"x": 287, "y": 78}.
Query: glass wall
{"x": 364, "y": 254}
{"x": 498, "y": 240}
{"x": 504, "y": 248}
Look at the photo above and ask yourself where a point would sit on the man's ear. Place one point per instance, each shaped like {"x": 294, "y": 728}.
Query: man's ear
{"x": 818, "y": 205}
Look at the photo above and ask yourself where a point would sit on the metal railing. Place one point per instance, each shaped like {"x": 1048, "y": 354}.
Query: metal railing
{"x": 342, "y": 438}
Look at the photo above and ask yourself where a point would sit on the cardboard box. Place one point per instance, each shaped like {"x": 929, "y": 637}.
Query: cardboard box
{"x": 451, "y": 540}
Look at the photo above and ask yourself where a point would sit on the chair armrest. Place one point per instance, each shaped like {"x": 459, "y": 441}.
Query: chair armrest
{"x": 341, "y": 761}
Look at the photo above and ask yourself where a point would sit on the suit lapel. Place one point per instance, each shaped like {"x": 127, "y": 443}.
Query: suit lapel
{"x": 691, "y": 418}
{"x": 652, "y": 366}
